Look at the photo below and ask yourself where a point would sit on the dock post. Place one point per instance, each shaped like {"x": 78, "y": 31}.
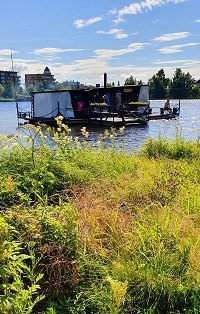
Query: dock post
{"x": 17, "y": 107}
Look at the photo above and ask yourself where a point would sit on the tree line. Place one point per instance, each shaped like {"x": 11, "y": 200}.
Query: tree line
{"x": 181, "y": 86}
{"x": 8, "y": 91}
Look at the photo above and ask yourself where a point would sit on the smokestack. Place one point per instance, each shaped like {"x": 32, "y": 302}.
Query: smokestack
{"x": 105, "y": 79}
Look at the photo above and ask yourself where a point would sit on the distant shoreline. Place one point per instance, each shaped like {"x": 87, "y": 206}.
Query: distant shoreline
{"x": 15, "y": 100}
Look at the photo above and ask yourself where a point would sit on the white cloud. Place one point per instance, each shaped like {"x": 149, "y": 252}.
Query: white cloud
{"x": 142, "y": 6}
{"x": 176, "y": 48}
{"x": 172, "y": 36}
{"x": 177, "y": 1}
{"x": 83, "y": 70}
{"x": 83, "y": 23}
{"x": 7, "y": 52}
{"x": 118, "y": 33}
{"x": 109, "y": 53}
{"x": 179, "y": 61}
{"x": 197, "y": 21}
{"x": 49, "y": 50}
{"x": 113, "y": 11}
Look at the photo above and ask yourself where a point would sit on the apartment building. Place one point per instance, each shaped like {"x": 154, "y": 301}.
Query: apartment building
{"x": 35, "y": 79}
{"x": 10, "y": 76}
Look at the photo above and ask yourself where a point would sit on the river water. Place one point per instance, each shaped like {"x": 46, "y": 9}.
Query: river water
{"x": 187, "y": 125}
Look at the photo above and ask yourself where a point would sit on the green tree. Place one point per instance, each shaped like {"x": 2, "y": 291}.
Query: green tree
{"x": 158, "y": 85}
{"x": 57, "y": 86}
{"x": 41, "y": 87}
{"x": 130, "y": 81}
{"x": 30, "y": 89}
{"x": 156, "y": 88}
{"x": 161, "y": 75}
{"x": 195, "y": 92}
{"x": 21, "y": 91}
{"x": 9, "y": 91}
{"x": 181, "y": 85}
{"x": 1, "y": 90}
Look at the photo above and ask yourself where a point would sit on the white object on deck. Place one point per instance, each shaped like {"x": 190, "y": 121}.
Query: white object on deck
{"x": 50, "y": 105}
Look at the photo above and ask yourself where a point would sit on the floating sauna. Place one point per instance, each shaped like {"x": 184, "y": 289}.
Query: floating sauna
{"x": 104, "y": 106}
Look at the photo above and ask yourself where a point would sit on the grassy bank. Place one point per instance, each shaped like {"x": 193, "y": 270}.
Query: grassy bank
{"x": 86, "y": 230}
{"x": 18, "y": 99}
{"x": 7, "y": 99}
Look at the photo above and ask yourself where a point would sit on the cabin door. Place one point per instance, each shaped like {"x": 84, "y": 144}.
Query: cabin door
{"x": 118, "y": 100}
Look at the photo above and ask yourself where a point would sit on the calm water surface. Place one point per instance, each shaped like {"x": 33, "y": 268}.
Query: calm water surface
{"x": 187, "y": 124}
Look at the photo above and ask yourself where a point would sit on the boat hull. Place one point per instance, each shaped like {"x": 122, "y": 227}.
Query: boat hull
{"x": 117, "y": 122}
{"x": 159, "y": 116}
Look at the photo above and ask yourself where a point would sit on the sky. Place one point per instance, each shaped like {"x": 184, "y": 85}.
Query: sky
{"x": 81, "y": 40}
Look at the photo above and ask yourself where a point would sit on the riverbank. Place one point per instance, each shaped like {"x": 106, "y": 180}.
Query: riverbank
{"x": 18, "y": 99}
{"x": 88, "y": 230}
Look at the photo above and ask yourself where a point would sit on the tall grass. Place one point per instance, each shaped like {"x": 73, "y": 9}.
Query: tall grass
{"x": 88, "y": 230}
{"x": 174, "y": 149}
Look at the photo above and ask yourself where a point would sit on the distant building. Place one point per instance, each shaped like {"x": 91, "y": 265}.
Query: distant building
{"x": 73, "y": 84}
{"x": 198, "y": 83}
{"x": 6, "y": 76}
{"x": 35, "y": 79}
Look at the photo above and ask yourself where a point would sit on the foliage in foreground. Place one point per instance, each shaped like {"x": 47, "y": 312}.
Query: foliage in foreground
{"x": 87, "y": 230}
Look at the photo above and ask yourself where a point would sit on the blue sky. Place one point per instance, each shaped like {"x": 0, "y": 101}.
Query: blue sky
{"x": 81, "y": 39}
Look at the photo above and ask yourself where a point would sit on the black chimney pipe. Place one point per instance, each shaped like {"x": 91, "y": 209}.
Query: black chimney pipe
{"x": 105, "y": 79}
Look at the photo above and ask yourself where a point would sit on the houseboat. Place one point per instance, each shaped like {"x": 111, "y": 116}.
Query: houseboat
{"x": 104, "y": 106}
